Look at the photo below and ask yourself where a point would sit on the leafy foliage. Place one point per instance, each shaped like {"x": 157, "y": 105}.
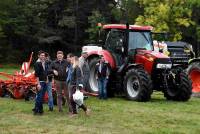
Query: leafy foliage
{"x": 31, "y": 25}
{"x": 166, "y": 16}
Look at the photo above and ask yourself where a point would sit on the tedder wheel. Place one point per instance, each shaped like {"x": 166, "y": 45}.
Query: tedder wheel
{"x": 138, "y": 85}
{"x": 179, "y": 87}
{"x": 93, "y": 86}
{"x": 18, "y": 93}
{"x": 29, "y": 94}
{"x": 194, "y": 73}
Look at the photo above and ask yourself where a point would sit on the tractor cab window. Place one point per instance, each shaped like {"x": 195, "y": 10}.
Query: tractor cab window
{"x": 115, "y": 40}
{"x": 114, "y": 43}
{"x": 140, "y": 40}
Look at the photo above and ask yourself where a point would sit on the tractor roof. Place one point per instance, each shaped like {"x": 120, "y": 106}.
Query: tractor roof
{"x": 132, "y": 27}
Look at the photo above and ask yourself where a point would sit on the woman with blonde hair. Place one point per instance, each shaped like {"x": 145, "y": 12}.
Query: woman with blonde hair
{"x": 76, "y": 84}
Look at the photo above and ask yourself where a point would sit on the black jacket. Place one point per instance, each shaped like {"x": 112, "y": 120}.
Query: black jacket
{"x": 76, "y": 78}
{"x": 40, "y": 72}
{"x": 104, "y": 72}
{"x": 62, "y": 68}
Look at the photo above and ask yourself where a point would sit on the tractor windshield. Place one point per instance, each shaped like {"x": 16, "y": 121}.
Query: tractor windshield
{"x": 141, "y": 40}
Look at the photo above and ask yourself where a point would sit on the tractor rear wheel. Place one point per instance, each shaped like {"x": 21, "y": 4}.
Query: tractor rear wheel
{"x": 138, "y": 85}
{"x": 179, "y": 87}
{"x": 93, "y": 86}
{"x": 193, "y": 71}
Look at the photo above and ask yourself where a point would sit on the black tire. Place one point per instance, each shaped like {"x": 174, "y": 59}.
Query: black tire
{"x": 92, "y": 84}
{"x": 30, "y": 96}
{"x": 193, "y": 66}
{"x": 3, "y": 91}
{"x": 178, "y": 89}
{"x": 141, "y": 89}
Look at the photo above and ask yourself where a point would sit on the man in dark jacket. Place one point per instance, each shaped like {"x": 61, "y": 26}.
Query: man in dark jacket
{"x": 103, "y": 73}
{"x": 60, "y": 70}
{"x": 41, "y": 72}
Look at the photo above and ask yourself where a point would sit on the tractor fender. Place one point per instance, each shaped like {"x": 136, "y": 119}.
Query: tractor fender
{"x": 134, "y": 66}
{"x": 193, "y": 71}
{"x": 106, "y": 54}
{"x": 124, "y": 68}
{"x": 194, "y": 60}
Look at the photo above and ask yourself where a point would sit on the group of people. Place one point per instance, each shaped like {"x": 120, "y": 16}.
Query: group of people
{"x": 70, "y": 76}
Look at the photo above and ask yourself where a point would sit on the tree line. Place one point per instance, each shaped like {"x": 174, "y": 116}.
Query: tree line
{"x": 31, "y": 25}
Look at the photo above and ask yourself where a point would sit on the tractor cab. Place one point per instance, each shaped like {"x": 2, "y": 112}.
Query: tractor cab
{"x": 123, "y": 42}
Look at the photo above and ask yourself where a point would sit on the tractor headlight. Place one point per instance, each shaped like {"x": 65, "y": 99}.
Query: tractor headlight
{"x": 164, "y": 66}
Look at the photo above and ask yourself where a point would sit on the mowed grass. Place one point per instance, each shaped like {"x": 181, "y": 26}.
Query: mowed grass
{"x": 116, "y": 115}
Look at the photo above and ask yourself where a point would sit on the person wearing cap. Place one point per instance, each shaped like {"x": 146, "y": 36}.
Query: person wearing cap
{"x": 59, "y": 67}
{"x": 85, "y": 69}
{"x": 103, "y": 72}
{"x": 76, "y": 83}
{"x": 41, "y": 72}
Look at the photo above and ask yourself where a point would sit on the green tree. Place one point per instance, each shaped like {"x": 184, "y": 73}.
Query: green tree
{"x": 94, "y": 19}
{"x": 166, "y": 16}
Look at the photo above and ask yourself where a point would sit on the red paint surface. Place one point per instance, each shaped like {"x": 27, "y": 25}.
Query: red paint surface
{"x": 123, "y": 26}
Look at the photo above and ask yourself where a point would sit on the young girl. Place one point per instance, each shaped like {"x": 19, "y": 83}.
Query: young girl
{"x": 76, "y": 80}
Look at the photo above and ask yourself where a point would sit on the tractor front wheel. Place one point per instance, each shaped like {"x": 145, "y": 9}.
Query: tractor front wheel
{"x": 137, "y": 85}
{"x": 179, "y": 87}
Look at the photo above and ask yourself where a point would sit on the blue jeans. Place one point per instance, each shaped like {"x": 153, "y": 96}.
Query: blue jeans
{"x": 102, "y": 85}
{"x": 39, "y": 97}
{"x": 50, "y": 96}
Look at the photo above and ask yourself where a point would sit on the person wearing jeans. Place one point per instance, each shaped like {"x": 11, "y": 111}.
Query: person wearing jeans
{"x": 102, "y": 69}
{"x": 39, "y": 99}
{"x": 102, "y": 85}
{"x": 41, "y": 72}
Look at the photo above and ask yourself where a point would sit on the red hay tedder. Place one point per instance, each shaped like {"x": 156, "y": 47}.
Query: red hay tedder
{"x": 19, "y": 84}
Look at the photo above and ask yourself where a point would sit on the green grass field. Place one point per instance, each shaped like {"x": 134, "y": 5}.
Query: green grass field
{"x": 116, "y": 115}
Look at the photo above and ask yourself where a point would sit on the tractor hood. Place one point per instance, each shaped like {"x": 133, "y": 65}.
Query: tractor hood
{"x": 151, "y": 54}
{"x": 151, "y": 60}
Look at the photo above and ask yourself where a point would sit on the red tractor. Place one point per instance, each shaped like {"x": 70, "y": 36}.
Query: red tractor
{"x": 136, "y": 69}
